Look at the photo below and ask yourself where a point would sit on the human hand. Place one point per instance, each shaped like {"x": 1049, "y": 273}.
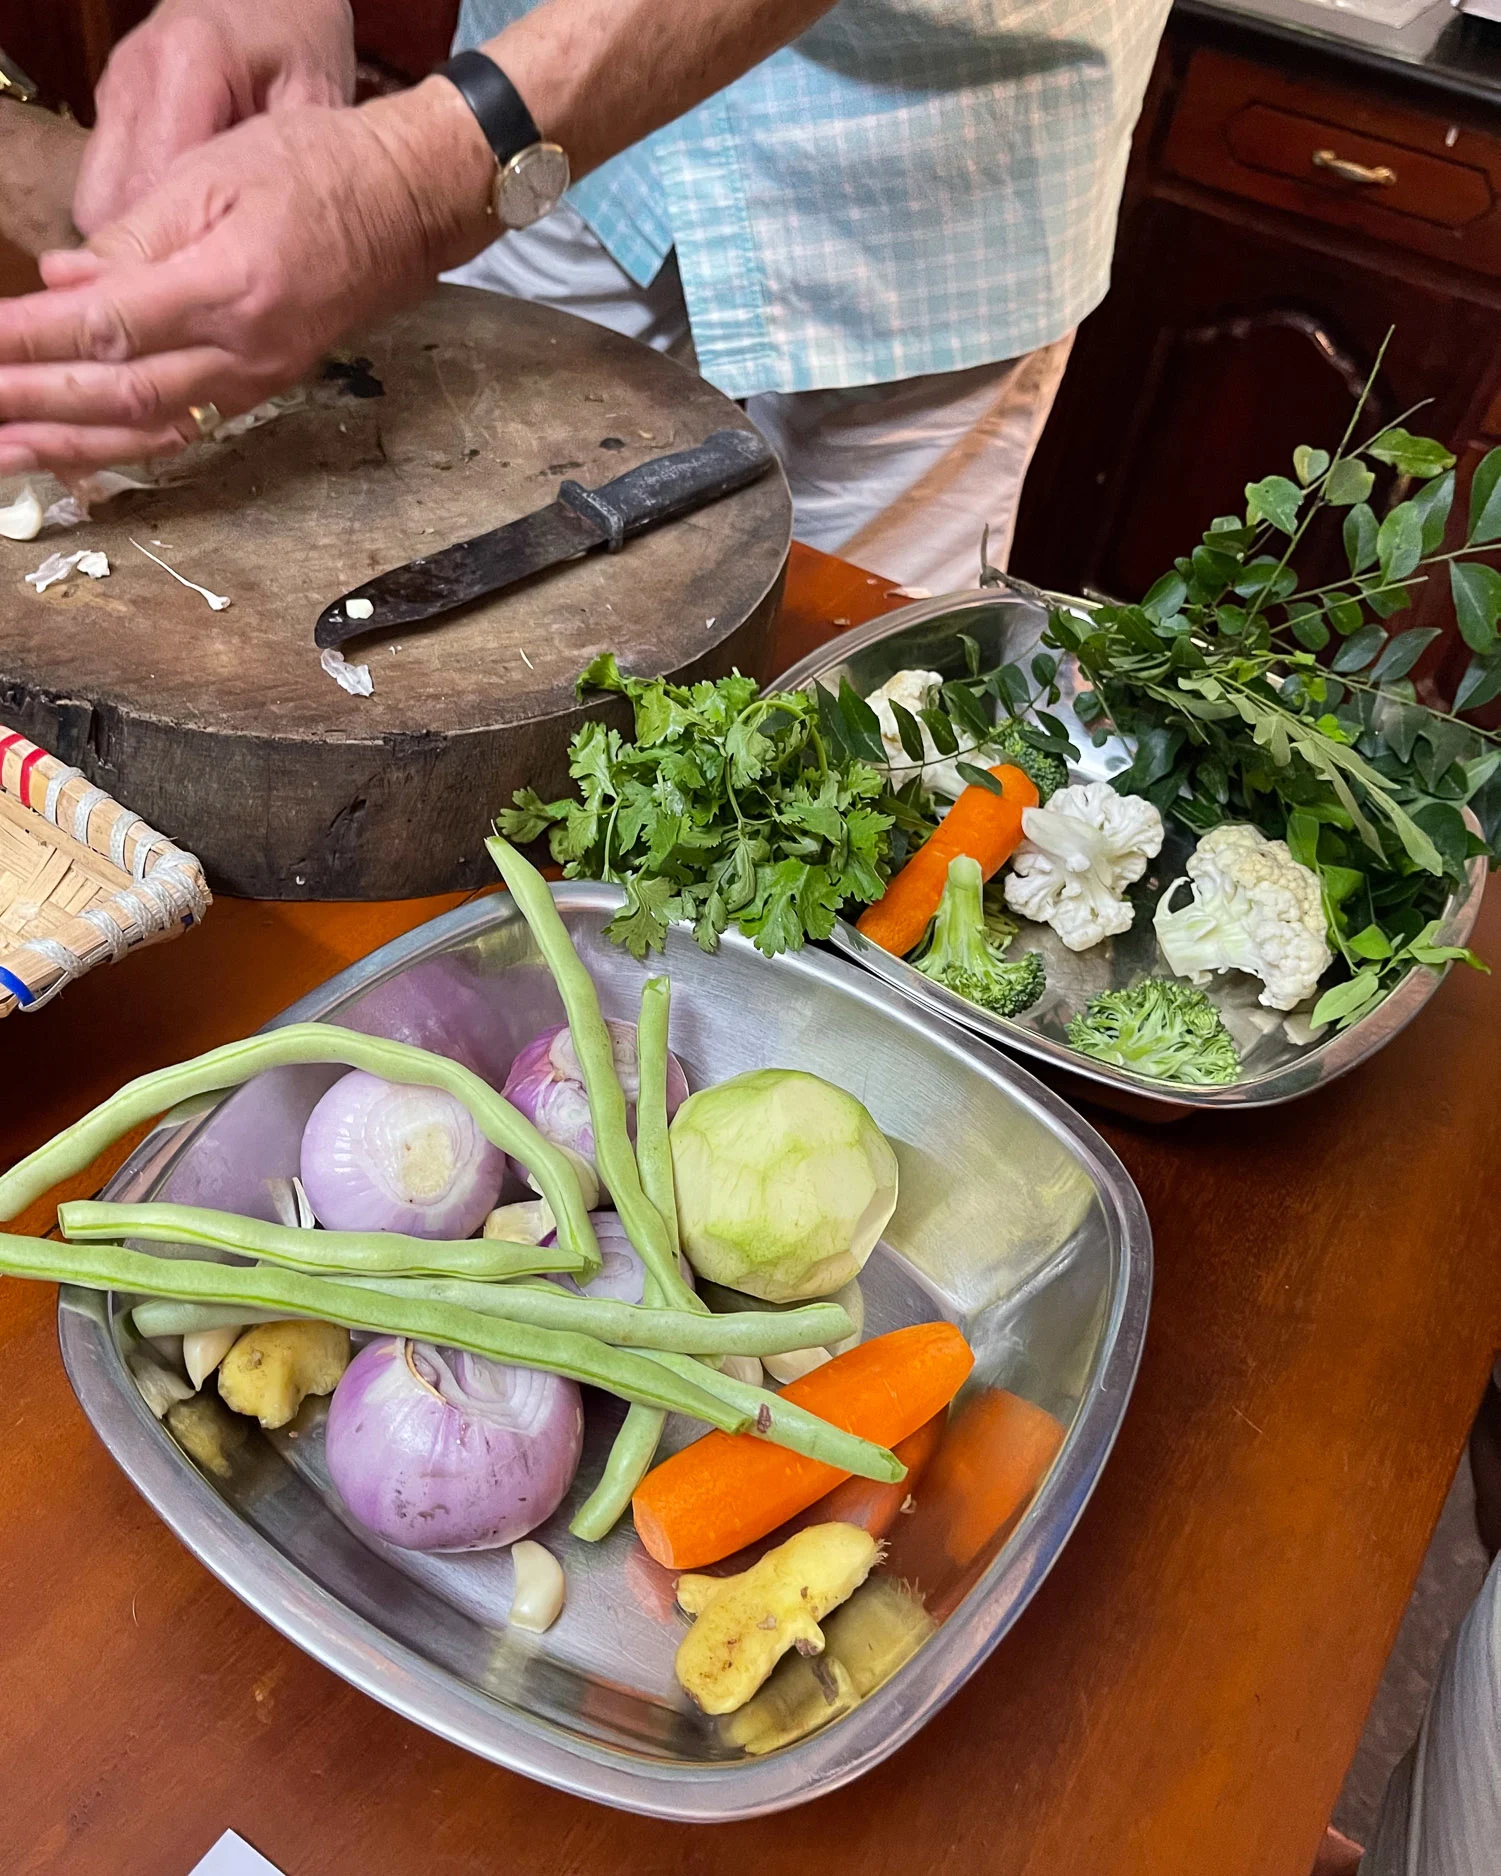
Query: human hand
{"x": 227, "y": 283}
{"x": 195, "y": 68}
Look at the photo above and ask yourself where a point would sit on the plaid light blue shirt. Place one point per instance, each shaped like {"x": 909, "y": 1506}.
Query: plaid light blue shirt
{"x": 912, "y": 186}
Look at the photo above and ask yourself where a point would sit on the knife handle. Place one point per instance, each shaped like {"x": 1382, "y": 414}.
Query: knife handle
{"x": 669, "y": 486}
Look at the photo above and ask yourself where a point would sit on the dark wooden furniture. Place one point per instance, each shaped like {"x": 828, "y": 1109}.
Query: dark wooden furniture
{"x": 1286, "y": 205}
{"x": 1183, "y": 1695}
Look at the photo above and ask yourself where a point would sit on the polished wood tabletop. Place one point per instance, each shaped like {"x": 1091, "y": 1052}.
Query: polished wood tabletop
{"x": 1183, "y": 1695}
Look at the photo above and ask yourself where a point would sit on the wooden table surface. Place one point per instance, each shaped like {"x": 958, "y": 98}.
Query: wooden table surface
{"x": 1185, "y": 1692}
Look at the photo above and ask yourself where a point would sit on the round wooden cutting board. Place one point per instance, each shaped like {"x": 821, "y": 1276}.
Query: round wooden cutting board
{"x": 455, "y": 417}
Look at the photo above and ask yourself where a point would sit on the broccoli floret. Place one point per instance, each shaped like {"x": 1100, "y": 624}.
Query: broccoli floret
{"x": 1160, "y": 1028}
{"x": 1046, "y": 773}
{"x": 960, "y": 956}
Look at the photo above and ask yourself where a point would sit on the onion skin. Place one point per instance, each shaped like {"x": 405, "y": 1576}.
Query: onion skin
{"x": 546, "y": 1084}
{"x": 379, "y": 1156}
{"x": 438, "y": 1450}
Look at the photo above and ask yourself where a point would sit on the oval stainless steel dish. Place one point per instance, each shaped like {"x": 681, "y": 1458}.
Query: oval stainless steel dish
{"x": 1277, "y": 1066}
{"x": 1016, "y": 1221}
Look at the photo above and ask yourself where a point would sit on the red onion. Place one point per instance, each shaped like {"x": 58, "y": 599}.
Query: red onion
{"x": 380, "y": 1156}
{"x": 546, "y": 1083}
{"x": 622, "y": 1275}
{"x": 437, "y": 1449}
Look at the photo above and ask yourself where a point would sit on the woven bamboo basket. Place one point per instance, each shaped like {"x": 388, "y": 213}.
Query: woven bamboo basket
{"x": 82, "y": 880}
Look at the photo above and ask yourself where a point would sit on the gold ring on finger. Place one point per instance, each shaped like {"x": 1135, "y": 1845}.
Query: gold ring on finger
{"x": 206, "y": 417}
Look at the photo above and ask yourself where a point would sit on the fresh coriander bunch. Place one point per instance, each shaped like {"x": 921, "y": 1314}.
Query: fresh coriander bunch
{"x": 1252, "y": 694}
{"x": 728, "y": 807}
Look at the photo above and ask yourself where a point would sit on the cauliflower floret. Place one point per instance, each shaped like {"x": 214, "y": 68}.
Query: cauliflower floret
{"x": 914, "y": 691}
{"x": 1081, "y": 853}
{"x": 1254, "y": 908}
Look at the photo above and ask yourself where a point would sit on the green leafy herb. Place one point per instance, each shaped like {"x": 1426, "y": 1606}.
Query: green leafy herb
{"x": 729, "y": 807}
{"x": 1217, "y": 677}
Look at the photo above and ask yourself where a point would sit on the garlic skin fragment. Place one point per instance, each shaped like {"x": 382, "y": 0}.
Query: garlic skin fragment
{"x": 794, "y": 1365}
{"x": 204, "y": 1349}
{"x": 21, "y": 520}
{"x": 537, "y": 1599}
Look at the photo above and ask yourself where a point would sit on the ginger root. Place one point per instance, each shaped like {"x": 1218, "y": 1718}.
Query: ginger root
{"x": 273, "y": 1368}
{"x": 749, "y": 1621}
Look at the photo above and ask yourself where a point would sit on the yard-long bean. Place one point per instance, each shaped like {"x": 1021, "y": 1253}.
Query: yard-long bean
{"x": 653, "y": 1151}
{"x": 773, "y": 1417}
{"x": 327, "y": 1253}
{"x": 623, "y": 1325}
{"x": 76, "y": 1147}
{"x": 635, "y": 1445}
{"x": 623, "y": 1371}
{"x": 591, "y": 1044}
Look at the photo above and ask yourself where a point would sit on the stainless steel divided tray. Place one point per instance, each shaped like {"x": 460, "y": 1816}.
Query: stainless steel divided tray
{"x": 1015, "y": 1221}
{"x": 1278, "y": 1065}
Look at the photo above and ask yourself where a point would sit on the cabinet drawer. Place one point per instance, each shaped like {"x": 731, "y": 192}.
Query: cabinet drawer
{"x": 1407, "y": 177}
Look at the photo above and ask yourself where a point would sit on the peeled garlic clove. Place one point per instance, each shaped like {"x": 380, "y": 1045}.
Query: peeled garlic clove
{"x": 204, "y": 1349}
{"x": 537, "y": 1599}
{"x": 21, "y": 520}
{"x": 528, "y": 1221}
{"x": 746, "y": 1368}
{"x": 794, "y": 1365}
{"x": 158, "y": 1386}
{"x": 302, "y": 1206}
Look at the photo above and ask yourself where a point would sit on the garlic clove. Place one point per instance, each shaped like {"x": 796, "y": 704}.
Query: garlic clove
{"x": 21, "y": 520}
{"x": 537, "y": 1598}
{"x": 302, "y": 1205}
{"x": 159, "y": 1387}
{"x": 745, "y": 1368}
{"x": 528, "y": 1221}
{"x": 795, "y": 1364}
{"x": 204, "y": 1349}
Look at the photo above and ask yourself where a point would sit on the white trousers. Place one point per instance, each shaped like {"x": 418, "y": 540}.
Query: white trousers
{"x": 1442, "y": 1811}
{"x": 901, "y": 478}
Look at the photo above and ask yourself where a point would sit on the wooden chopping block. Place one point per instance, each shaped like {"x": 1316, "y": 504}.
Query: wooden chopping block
{"x": 456, "y": 416}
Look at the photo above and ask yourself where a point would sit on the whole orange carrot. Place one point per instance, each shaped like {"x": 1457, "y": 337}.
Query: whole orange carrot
{"x": 986, "y": 826}
{"x": 991, "y": 1461}
{"x": 726, "y": 1490}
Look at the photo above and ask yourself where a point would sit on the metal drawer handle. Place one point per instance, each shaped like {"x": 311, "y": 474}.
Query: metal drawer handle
{"x": 1378, "y": 174}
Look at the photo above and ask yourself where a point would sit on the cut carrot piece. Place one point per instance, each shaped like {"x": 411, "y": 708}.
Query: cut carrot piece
{"x": 726, "y": 1490}
{"x": 986, "y": 826}
{"x": 991, "y": 1461}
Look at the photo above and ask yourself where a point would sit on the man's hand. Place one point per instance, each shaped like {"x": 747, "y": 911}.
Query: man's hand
{"x": 258, "y": 251}
{"x": 198, "y": 67}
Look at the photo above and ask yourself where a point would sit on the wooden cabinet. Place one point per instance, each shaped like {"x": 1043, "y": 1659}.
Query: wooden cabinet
{"x": 1276, "y": 224}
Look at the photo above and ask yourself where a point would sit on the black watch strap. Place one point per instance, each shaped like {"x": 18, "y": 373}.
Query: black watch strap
{"x": 495, "y": 102}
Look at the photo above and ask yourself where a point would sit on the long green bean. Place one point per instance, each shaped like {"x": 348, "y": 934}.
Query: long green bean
{"x": 165, "y": 1315}
{"x": 635, "y": 1445}
{"x": 653, "y": 1152}
{"x": 591, "y": 1044}
{"x": 622, "y": 1371}
{"x": 322, "y": 1253}
{"x": 622, "y": 1325}
{"x": 773, "y": 1417}
{"x": 76, "y": 1147}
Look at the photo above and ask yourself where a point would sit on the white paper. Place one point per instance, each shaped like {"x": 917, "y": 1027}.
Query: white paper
{"x": 232, "y": 1856}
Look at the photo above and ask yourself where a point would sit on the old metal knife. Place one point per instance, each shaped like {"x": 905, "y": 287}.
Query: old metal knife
{"x": 577, "y": 522}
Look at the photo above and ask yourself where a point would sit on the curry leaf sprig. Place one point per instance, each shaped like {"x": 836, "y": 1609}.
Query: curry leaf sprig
{"x": 727, "y": 807}
{"x": 1217, "y": 677}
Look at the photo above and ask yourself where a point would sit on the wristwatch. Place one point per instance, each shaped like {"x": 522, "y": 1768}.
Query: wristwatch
{"x": 530, "y": 173}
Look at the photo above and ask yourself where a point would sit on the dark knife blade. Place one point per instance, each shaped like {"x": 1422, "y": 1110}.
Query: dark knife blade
{"x": 580, "y": 519}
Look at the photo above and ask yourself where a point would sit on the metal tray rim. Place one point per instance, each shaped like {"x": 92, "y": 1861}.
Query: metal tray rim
{"x": 1323, "y": 1062}
{"x": 313, "y": 1617}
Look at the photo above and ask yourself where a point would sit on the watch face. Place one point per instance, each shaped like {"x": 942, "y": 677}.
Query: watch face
{"x": 531, "y": 185}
